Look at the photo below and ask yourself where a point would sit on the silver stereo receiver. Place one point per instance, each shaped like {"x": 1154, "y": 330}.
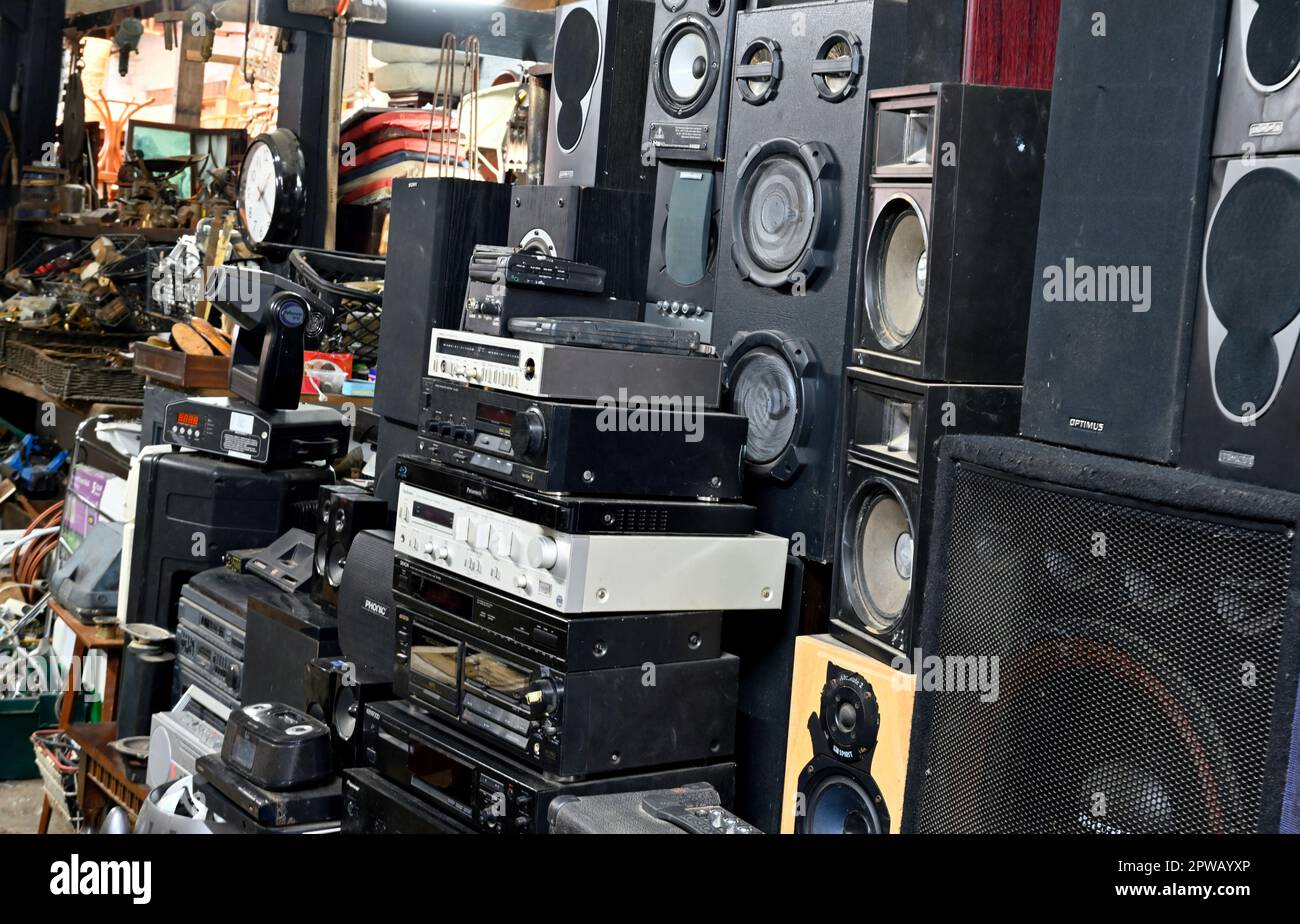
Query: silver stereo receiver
{"x": 570, "y": 373}
{"x": 572, "y": 573}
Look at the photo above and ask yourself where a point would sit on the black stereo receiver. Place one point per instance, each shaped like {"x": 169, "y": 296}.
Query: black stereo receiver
{"x": 573, "y": 697}
{"x": 663, "y": 446}
{"x": 373, "y": 805}
{"x": 505, "y": 284}
{"x": 582, "y": 515}
{"x": 486, "y": 791}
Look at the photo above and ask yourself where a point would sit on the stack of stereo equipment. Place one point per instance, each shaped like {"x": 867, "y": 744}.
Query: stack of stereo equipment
{"x": 951, "y": 221}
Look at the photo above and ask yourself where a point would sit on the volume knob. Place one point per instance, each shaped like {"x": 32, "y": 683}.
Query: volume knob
{"x": 542, "y": 553}
{"x": 528, "y": 434}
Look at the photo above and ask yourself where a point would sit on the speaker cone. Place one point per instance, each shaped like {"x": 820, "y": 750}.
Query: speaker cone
{"x": 897, "y": 269}
{"x": 840, "y": 804}
{"x": 879, "y": 556}
{"x": 759, "y": 71}
{"x": 765, "y": 390}
{"x": 778, "y": 213}
{"x": 685, "y": 65}
{"x": 345, "y": 713}
{"x": 838, "y": 66}
{"x": 577, "y": 49}
{"x": 335, "y": 561}
{"x": 1272, "y": 42}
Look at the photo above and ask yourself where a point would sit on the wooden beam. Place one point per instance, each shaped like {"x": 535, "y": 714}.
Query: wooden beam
{"x": 189, "y": 79}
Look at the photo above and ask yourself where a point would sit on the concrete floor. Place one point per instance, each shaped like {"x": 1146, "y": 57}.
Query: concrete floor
{"x": 20, "y": 809}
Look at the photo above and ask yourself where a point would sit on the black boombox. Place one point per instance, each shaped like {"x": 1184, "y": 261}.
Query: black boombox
{"x": 572, "y": 697}
{"x": 490, "y": 793}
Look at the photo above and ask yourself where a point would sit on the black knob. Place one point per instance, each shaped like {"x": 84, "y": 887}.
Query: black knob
{"x": 542, "y": 697}
{"x": 528, "y": 434}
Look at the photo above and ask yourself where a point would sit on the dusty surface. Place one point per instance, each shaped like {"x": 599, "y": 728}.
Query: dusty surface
{"x": 20, "y": 808}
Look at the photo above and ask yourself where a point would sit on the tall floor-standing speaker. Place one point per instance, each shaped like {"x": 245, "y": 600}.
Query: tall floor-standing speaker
{"x": 846, "y": 752}
{"x": 1113, "y": 647}
{"x": 435, "y": 226}
{"x": 602, "y": 56}
{"x": 888, "y": 497}
{"x": 609, "y": 228}
{"x": 952, "y": 224}
{"x": 787, "y": 263}
{"x": 690, "y": 79}
{"x": 1119, "y": 243}
{"x": 1259, "y": 102}
{"x": 1242, "y": 418}
{"x": 1005, "y": 43}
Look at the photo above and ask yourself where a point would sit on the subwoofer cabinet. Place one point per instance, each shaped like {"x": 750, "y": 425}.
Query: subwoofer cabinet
{"x": 608, "y": 228}
{"x": 951, "y": 228}
{"x": 1122, "y": 223}
{"x": 598, "y": 86}
{"x": 1005, "y": 43}
{"x": 690, "y": 76}
{"x": 1118, "y": 644}
{"x": 846, "y": 754}
{"x": 1259, "y": 97}
{"x": 1242, "y": 415}
{"x": 787, "y": 255}
{"x": 888, "y": 498}
{"x": 682, "y": 277}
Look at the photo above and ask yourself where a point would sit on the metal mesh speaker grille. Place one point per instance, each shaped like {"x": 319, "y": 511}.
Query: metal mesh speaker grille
{"x": 1137, "y": 654}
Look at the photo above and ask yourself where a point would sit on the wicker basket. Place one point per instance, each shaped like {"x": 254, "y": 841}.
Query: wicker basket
{"x": 85, "y": 375}
{"x": 58, "y": 777}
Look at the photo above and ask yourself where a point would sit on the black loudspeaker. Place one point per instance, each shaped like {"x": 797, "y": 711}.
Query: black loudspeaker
{"x": 284, "y": 633}
{"x": 1108, "y": 646}
{"x": 888, "y": 495}
{"x": 1242, "y": 417}
{"x": 787, "y": 265}
{"x": 342, "y": 513}
{"x": 338, "y": 692}
{"x": 690, "y": 77}
{"x": 952, "y": 224}
{"x": 192, "y": 509}
{"x": 1259, "y": 101}
{"x": 936, "y": 37}
{"x": 434, "y": 228}
{"x": 602, "y": 55}
{"x": 608, "y": 228}
{"x": 682, "y": 277}
{"x": 367, "y": 627}
{"x": 146, "y": 687}
{"x": 1120, "y": 238}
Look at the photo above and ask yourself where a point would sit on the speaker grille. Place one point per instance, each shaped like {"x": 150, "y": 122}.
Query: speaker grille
{"x": 1273, "y": 42}
{"x": 1138, "y": 654}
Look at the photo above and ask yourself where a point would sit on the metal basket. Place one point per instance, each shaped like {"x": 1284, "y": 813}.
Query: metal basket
{"x": 333, "y": 277}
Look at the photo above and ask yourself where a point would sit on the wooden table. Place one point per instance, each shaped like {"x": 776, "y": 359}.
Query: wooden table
{"x": 102, "y": 778}
{"x": 109, "y": 640}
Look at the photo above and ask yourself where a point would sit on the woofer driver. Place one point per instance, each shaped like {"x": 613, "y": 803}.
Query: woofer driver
{"x": 685, "y": 64}
{"x": 878, "y": 554}
{"x": 783, "y": 201}
{"x": 896, "y": 270}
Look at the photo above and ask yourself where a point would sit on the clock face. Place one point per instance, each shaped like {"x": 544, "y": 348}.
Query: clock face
{"x": 258, "y": 191}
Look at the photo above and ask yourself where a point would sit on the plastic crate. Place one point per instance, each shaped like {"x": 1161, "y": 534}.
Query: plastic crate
{"x": 19, "y": 718}
{"x": 332, "y": 277}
